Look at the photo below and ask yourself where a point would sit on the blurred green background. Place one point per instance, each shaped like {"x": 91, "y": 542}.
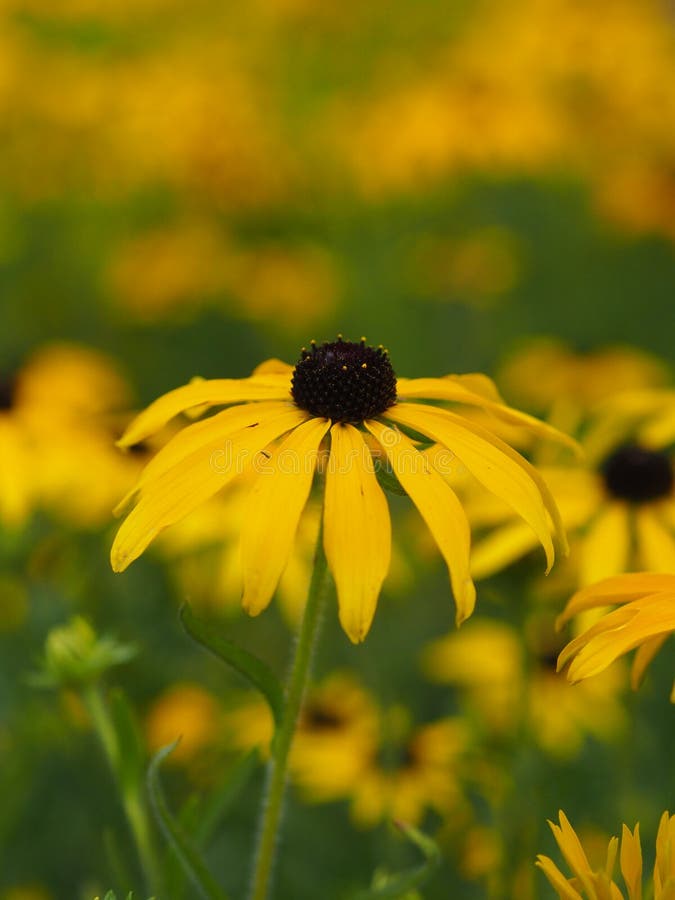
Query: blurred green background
{"x": 194, "y": 188}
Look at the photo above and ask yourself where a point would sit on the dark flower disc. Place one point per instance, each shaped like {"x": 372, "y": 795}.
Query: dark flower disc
{"x": 638, "y": 475}
{"x": 344, "y": 381}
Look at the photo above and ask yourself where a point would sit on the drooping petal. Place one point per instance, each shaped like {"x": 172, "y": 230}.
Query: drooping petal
{"x": 478, "y": 390}
{"x": 500, "y": 548}
{"x": 643, "y": 656}
{"x": 605, "y": 546}
{"x": 357, "y": 530}
{"x": 214, "y": 392}
{"x": 618, "y": 589}
{"x": 616, "y": 633}
{"x": 195, "y": 436}
{"x": 275, "y": 505}
{"x": 183, "y": 487}
{"x": 439, "y": 507}
{"x": 492, "y": 462}
{"x": 656, "y": 544}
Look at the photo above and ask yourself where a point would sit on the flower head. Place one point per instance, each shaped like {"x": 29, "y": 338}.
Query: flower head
{"x": 342, "y": 400}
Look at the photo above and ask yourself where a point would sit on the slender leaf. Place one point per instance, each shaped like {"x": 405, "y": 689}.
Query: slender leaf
{"x": 248, "y": 665}
{"x": 181, "y": 844}
{"x": 402, "y": 883}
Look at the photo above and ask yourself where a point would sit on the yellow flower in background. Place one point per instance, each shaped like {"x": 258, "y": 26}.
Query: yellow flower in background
{"x": 643, "y": 620}
{"x": 187, "y": 713}
{"x": 549, "y": 378}
{"x": 618, "y": 508}
{"x": 338, "y": 734}
{"x": 413, "y": 773}
{"x": 588, "y": 883}
{"x": 346, "y": 392}
{"x": 58, "y": 414}
{"x": 504, "y": 681}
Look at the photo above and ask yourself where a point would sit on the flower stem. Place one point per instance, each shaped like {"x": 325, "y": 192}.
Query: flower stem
{"x": 278, "y": 765}
{"x": 132, "y": 802}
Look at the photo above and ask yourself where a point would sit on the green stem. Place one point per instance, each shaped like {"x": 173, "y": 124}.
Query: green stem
{"x": 278, "y": 765}
{"x": 134, "y": 807}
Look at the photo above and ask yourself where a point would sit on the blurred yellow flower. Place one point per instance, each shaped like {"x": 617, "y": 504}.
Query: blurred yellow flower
{"x": 644, "y": 619}
{"x": 423, "y": 775}
{"x": 334, "y": 388}
{"x": 618, "y": 508}
{"x": 59, "y": 413}
{"x": 504, "y": 682}
{"x": 187, "y": 713}
{"x": 337, "y": 736}
{"x": 599, "y": 884}
{"x": 548, "y": 377}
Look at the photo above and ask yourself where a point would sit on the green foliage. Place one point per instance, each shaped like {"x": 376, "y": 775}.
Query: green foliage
{"x": 247, "y": 664}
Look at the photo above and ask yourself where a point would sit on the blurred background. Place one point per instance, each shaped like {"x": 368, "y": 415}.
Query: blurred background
{"x": 188, "y": 189}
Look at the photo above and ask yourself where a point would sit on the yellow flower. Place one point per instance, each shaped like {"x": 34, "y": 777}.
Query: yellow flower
{"x": 275, "y": 426}
{"x": 643, "y": 620}
{"x": 618, "y": 508}
{"x": 504, "y": 684}
{"x": 425, "y": 775}
{"x": 337, "y": 736}
{"x": 186, "y": 712}
{"x": 57, "y": 418}
{"x": 599, "y": 884}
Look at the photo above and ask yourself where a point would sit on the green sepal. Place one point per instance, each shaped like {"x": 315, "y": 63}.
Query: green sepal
{"x": 187, "y": 853}
{"x": 402, "y": 884}
{"x": 130, "y": 762}
{"x": 248, "y": 665}
{"x": 111, "y": 895}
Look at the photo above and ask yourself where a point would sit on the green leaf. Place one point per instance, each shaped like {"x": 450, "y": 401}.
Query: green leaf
{"x": 248, "y": 665}
{"x": 181, "y": 844}
{"x": 131, "y": 751}
{"x": 404, "y": 882}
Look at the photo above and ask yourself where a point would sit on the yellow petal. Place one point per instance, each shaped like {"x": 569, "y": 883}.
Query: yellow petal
{"x": 476, "y": 390}
{"x": 643, "y": 656}
{"x": 492, "y": 462}
{"x": 656, "y": 544}
{"x": 618, "y": 589}
{"x": 500, "y": 548}
{"x": 631, "y": 862}
{"x": 215, "y": 392}
{"x": 195, "y": 436}
{"x": 560, "y": 884}
{"x": 275, "y": 505}
{"x": 571, "y": 849}
{"x": 439, "y": 507}
{"x": 605, "y": 546}
{"x": 616, "y": 633}
{"x": 182, "y": 488}
{"x": 357, "y": 530}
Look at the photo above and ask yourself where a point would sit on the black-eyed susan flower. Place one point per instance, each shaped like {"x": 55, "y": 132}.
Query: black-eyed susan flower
{"x": 618, "y": 507}
{"x": 643, "y": 619}
{"x": 277, "y": 422}
{"x": 588, "y": 883}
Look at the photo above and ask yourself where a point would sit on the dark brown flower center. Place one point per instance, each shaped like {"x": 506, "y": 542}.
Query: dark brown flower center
{"x": 344, "y": 381}
{"x": 638, "y": 475}
{"x": 317, "y": 718}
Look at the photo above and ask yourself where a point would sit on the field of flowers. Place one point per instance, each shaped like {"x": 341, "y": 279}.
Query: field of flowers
{"x": 337, "y": 450}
